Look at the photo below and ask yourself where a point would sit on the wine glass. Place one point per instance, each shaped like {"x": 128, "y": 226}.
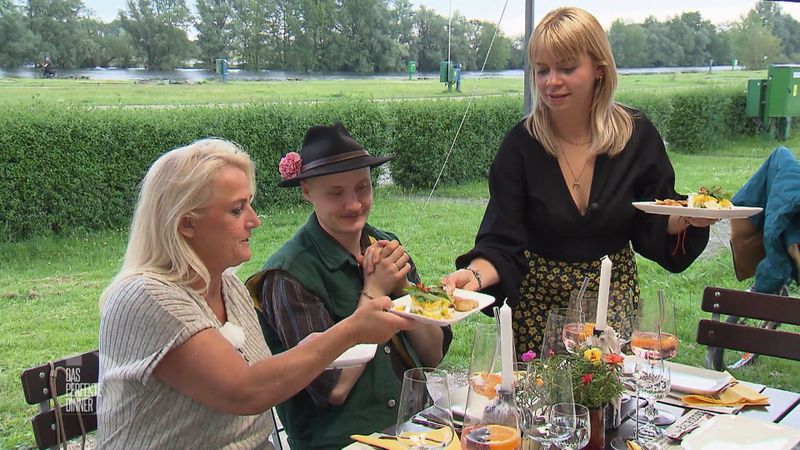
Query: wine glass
{"x": 577, "y": 417}
{"x": 490, "y": 419}
{"x": 550, "y": 419}
{"x": 655, "y": 337}
{"x": 653, "y": 382}
{"x": 424, "y": 418}
{"x": 565, "y": 330}
{"x": 620, "y": 311}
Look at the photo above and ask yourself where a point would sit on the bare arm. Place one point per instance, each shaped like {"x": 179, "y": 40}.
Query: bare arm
{"x": 209, "y": 370}
{"x": 466, "y": 279}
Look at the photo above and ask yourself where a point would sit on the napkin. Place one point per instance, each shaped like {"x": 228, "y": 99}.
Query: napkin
{"x": 392, "y": 444}
{"x": 737, "y": 394}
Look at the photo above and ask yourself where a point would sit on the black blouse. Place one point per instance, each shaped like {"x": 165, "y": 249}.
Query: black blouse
{"x": 530, "y": 207}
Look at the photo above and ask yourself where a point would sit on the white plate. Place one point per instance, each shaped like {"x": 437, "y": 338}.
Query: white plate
{"x": 688, "y": 379}
{"x": 354, "y": 356}
{"x": 726, "y": 432}
{"x": 735, "y": 212}
{"x": 696, "y": 380}
{"x": 483, "y": 301}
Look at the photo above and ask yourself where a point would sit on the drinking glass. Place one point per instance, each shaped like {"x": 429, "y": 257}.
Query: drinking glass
{"x": 620, "y": 311}
{"x": 550, "y": 418}
{"x": 424, "y": 418}
{"x": 655, "y": 337}
{"x": 565, "y": 330}
{"x": 576, "y": 417}
{"x": 653, "y": 382}
{"x": 490, "y": 419}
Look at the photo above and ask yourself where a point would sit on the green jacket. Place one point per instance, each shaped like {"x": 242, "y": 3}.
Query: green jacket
{"x": 323, "y": 267}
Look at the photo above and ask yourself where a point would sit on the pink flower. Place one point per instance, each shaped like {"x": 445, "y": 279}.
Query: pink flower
{"x": 586, "y": 378}
{"x": 529, "y": 355}
{"x": 290, "y": 165}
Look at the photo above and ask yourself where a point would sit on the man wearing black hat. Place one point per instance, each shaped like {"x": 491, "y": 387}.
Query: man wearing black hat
{"x": 333, "y": 264}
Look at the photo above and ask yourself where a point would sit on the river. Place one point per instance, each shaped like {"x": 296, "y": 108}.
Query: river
{"x": 100, "y": 73}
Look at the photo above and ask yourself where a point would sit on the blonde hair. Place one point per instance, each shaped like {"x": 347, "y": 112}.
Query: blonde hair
{"x": 569, "y": 33}
{"x": 177, "y": 185}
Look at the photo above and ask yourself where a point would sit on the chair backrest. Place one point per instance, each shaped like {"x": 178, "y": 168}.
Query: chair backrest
{"x": 754, "y": 305}
{"x": 80, "y": 374}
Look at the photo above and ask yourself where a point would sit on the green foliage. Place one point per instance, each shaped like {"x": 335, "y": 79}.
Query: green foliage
{"x": 65, "y": 169}
{"x": 424, "y": 133}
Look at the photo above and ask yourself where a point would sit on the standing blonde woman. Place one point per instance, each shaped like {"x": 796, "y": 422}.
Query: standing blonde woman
{"x": 183, "y": 363}
{"x": 562, "y": 184}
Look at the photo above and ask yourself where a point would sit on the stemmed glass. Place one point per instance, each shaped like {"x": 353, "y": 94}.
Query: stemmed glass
{"x": 653, "y": 382}
{"x": 550, "y": 419}
{"x": 566, "y": 329}
{"x": 655, "y": 337}
{"x": 577, "y": 417}
{"x": 424, "y": 418}
{"x": 620, "y": 307}
{"x": 490, "y": 419}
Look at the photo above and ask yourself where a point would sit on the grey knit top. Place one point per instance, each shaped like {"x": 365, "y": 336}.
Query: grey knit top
{"x": 144, "y": 318}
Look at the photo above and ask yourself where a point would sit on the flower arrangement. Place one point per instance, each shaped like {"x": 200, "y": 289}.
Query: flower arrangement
{"x": 595, "y": 376}
{"x": 290, "y": 165}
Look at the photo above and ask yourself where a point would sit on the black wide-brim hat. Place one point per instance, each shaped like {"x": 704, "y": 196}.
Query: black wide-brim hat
{"x": 330, "y": 149}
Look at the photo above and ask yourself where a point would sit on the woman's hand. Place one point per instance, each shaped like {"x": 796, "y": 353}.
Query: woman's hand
{"x": 460, "y": 279}
{"x": 676, "y": 224}
{"x": 700, "y": 223}
{"x": 371, "y": 323}
{"x": 477, "y": 276}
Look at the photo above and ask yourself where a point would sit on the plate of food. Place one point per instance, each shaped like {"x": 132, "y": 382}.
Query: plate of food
{"x": 433, "y": 306}
{"x": 354, "y": 356}
{"x": 705, "y": 204}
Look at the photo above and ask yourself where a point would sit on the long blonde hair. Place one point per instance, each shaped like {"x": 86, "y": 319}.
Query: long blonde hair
{"x": 570, "y": 32}
{"x": 177, "y": 185}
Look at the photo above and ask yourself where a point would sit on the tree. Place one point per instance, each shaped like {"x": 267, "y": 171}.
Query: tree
{"x": 19, "y": 42}
{"x": 431, "y": 42}
{"x": 628, "y": 44}
{"x": 63, "y": 30}
{"x": 158, "y": 29}
{"x": 252, "y": 17}
{"x": 500, "y": 49}
{"x": 114, "y": 46}
{"x": 214, "y": 33}
{"x": 753, "y": 42}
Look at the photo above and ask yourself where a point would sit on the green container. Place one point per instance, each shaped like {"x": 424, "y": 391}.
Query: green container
{"x": 445, "y": 72}
{"x": 756, "y": 93}
{"x": 783, "y": 91}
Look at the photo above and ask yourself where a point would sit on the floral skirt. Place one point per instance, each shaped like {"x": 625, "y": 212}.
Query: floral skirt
{"x": 549, "y": 284}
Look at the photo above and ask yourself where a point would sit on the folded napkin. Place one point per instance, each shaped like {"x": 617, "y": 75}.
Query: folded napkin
{"x": 737, "y": 394}
{"x": 390, "y": 443}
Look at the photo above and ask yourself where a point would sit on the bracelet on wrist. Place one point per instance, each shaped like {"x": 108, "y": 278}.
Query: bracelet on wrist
{"x": 364, "y": 293}
{"x": 476, "y": 275}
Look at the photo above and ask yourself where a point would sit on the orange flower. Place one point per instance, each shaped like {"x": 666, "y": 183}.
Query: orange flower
{"x": 613, "y": 358}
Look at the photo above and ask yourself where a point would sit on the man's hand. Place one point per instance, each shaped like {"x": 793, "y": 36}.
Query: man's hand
{"x": 386, "y": 267}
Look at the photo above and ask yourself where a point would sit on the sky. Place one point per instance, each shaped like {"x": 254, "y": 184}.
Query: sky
{"x": 513, "y": 21}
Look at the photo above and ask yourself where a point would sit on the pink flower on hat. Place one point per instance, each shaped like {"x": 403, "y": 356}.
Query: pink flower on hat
{"x": 290, "y": 165}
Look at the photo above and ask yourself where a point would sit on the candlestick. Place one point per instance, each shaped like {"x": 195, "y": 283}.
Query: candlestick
{"x": 506, "y": 347}
{"x": 602, "y": 294}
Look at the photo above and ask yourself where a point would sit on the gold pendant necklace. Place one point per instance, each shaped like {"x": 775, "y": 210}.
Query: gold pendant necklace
{"x": 576, "y": 184}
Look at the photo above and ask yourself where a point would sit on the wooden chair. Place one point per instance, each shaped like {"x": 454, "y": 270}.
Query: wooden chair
{"x": 70, "y": 374}
{"x": 759, "y": 340}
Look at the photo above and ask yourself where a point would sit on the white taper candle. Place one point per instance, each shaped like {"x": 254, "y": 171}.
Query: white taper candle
{"x": 506, "y": 347}
{"x": 602, "y": 294}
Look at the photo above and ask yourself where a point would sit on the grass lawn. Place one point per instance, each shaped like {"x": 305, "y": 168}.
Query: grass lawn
{"x": 126, "y": 93}
{"x": 49, "y": 286}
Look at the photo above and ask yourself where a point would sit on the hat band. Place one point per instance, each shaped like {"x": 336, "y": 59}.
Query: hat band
{"x": 333, "y": 159}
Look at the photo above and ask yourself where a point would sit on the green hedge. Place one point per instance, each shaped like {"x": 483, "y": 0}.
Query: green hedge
{"x": 67, "y": 169}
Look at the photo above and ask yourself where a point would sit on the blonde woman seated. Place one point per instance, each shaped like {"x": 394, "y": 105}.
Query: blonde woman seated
{"x": 183, "y": 363}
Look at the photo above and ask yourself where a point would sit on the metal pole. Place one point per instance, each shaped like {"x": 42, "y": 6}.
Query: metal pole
{"x": 528, "y": 31}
